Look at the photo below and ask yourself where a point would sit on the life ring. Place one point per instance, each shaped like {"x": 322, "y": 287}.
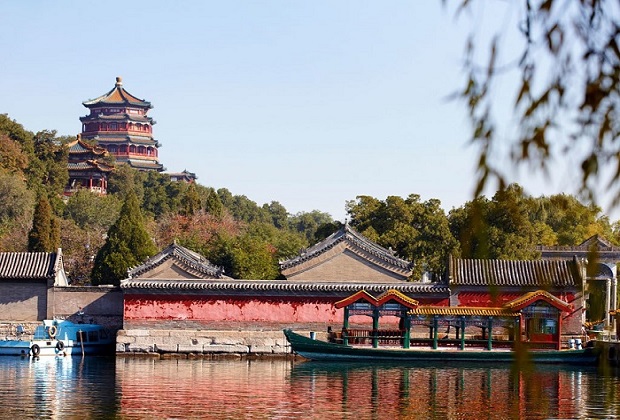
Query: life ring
{"x": 35, "y": 349}
{"x": 60, "y": 345}
{"x": 52, "y": 331}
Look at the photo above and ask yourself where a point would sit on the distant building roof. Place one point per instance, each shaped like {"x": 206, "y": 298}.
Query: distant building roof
{"x": 124, "y": 139}
{"x": 530, "y": 273}
{"x": 144, "y": 164}
{"x": 185, "y": 176}
{"x": 604, "y": 250}
{"x": 22, "y": 266}
{"x": 186, "y": 263}
{"x": 89, "y": 165}
{"x": 80, "y": 147}
{"x": 117, "y": 96}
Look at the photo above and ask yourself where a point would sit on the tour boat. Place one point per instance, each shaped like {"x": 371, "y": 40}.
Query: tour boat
{"x": 59, "y": 338}
{"x": 313, "y": 349}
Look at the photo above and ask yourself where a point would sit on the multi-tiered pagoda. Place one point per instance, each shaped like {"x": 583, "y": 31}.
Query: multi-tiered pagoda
{"x": 118, "y": 122}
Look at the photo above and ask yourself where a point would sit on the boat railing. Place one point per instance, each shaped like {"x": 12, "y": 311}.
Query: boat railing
{"x": 366, "y": 336}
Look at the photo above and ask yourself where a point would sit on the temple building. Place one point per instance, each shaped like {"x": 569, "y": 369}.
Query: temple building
{"x": 185, "y": 176}
{"x": 601, "y": 284}
{"x": 179, "y": 290}
{"x": 118, "y": 122}
{"x": 87, "y": 169}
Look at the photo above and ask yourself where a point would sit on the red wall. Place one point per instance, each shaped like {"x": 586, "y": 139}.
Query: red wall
{"x": 283, "y": 310}
{"x": 251, "y": 309}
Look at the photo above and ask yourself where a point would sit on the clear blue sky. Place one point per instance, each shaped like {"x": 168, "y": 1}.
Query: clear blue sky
{"x": 307, "y": 103}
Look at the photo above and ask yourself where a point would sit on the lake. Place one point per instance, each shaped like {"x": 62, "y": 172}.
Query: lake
{"x": 136, "y": 388}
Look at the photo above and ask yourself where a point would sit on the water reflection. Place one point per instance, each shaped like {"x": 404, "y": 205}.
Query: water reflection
{"x": 456, "y": 392}
{"x": 278, "y": 389}
{"x": 52, "y": 386}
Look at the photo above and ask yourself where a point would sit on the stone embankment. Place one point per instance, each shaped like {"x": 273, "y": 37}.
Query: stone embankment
{"x": 176, "y": 343}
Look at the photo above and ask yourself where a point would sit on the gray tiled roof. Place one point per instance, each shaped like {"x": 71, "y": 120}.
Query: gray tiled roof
{"x": 535, "y": 273}
{"x": 288, "y": 286}
{"x": 192, "y": 261}
{"x": 28, "y": 265}
{"x": 355, "y": 239}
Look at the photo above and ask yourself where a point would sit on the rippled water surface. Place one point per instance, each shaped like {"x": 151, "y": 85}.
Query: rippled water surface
{"x": 278, "y": 389}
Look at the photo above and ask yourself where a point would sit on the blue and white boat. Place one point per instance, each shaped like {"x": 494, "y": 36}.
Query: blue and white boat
{"x": 60, "y": 338}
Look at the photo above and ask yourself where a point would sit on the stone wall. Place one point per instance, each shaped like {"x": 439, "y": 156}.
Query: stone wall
{"x": 23, "y": 300}
{"x": 206, "y": 343}
{"x": 101, "y": 305}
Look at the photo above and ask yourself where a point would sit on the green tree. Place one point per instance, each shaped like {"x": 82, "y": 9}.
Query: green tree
{"x": 308, "y": 223}
{"x": 241, "y": 207}
{"x": 572, "y": 221}
{"x": 191, "y": 201}
{"x": 15, "y": 213}
{"x": 125, "y": 180}
{"x": 156, "y": 199}
{"x": 278, "y": 214}
{"x": 213, "y": 204}
{"x": 128, "y": 245}
{"x": 18, "y": 134}
{"x": 499, "y": 228}
{"x": 92, "y": 211}
{"x": 48, "y": 172}
{"x": 415, "y": 230}
{"x": 326, "y": 229}
{"x": 43, "y": 233}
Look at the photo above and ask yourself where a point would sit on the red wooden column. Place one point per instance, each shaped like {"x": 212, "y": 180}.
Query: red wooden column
{"x": 558, "y": 333}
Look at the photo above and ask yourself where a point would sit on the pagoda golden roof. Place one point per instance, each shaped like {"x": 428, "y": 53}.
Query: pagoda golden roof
{"x": 117, "y": 96}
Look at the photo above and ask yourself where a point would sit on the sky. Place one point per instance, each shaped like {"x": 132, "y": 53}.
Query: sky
{"x": 308, "y": 103}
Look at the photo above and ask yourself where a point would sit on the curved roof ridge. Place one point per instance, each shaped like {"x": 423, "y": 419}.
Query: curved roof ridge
{"x": 117, "y": 95}
{"x": 350, "y": 235}
{"x": 189, "y": 258}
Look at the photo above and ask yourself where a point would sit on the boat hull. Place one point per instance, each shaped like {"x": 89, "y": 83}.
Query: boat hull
{"x": 62, "y": 338}
{"x": 324, "y": 351}
{"x": 46, "y": 348}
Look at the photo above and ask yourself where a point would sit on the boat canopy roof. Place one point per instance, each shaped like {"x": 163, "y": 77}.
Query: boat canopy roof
{"x": 393, "y": 302}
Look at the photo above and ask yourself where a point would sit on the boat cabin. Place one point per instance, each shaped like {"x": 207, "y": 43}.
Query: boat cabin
{"x": 533, "y": 320}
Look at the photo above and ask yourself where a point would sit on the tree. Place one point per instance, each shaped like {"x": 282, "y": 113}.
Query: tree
{"x": 44, "y": 235}
{"x": 415, "y": 230}
{"x": 128, "y": 245}
{"x": 308, "y": 224}
{"x": 12, "y": 158}
{"x": 18, "y": 134}
{"x": 499, "y": 228}
{"x": 278, "y": 214}
{"x": 48, "y": 172}
{"x": 15, "y": 213}
{"x": 566, "y": 92}
{"x": 191, "y": 201}
{"x": 92, "y": 211}
{"x": 213, "y": 205}
{"x": 125, "y": 180}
